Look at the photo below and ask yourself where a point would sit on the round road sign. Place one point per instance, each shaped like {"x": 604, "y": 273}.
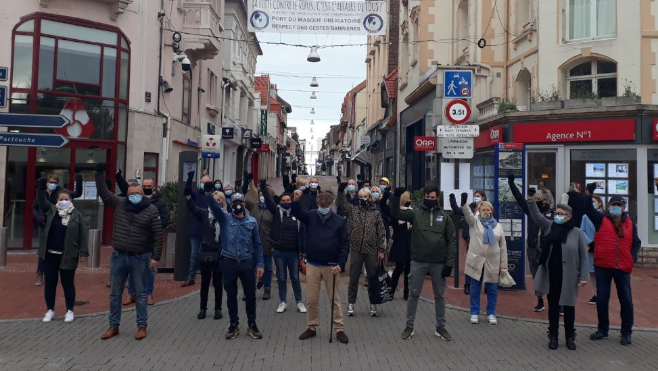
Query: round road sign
{"x": 465, "y": 91}
{"x": 458, "y": 111}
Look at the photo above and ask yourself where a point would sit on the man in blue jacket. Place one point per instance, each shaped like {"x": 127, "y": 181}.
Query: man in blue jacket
{"x": 239, "y": 232}
{"x": 200, "y": 198}
{"x": 326, "y": 256}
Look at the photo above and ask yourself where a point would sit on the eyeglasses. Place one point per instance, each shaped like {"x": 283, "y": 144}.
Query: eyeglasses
{"x": 562, "y": 214}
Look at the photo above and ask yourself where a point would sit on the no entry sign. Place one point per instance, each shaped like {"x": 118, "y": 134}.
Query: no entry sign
{"x": 458, "y": 112}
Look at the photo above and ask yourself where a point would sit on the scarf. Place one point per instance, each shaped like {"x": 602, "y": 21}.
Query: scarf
{"x": 65, "y": 214}
{"x": 215, "y": 223}
{"x": 404, "y": 208}
{"x": 136, "y": 208}
{"x": 489, "y": 225}
{"x": 262, "y": 205}
{"x": 555, "y": 238}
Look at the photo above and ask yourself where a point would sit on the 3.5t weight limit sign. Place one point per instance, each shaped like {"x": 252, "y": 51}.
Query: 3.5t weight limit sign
{"x": 458, "y": 112}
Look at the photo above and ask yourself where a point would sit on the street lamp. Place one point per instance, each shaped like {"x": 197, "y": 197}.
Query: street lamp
{"x": 313, "y": 56}
{"x": 314, "y": 83}
{"x": 312, "y": 111}
{"x": 313, "y": 96}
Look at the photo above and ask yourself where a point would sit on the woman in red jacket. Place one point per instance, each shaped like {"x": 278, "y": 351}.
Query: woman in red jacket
{"x": 615, "y": 253}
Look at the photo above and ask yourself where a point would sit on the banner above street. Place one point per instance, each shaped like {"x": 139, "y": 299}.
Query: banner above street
{"x": 317, "y": 16}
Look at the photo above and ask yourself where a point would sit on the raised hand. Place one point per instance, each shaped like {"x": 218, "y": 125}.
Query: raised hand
{"x": 101, "y": 167}
{"x": 190, "y": 174}
{"x": 464, "y": 198}
{"x": 399, "y": 191}
{"x": 341, "y": 187}
{"x": 41, "y": 183}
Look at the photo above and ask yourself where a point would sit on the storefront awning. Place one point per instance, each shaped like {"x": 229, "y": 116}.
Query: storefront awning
{"x": 364, "y": 156}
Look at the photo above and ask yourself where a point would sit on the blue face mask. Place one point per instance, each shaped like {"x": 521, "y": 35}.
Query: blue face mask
{"x": 615, "y": 210}
{"x": 302, "y": 188}
{"x": 218, "y": 186}
{"x": 323, "y": 211}
{"x": 52, "y": 186}
{"x": 228, "y": 192}
{"x": 559, "y": 219}
{"x": 375, "y": 195}
{"x": 135, "y": 199}
{"x": 201, "y": 186}
{"x": 382, "y": 188}
{"x": 351, "y": 188}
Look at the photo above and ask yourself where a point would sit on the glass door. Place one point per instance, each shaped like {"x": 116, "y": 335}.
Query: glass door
{"x": 541, "y": 172}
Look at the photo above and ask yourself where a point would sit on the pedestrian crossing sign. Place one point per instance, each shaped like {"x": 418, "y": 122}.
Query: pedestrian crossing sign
{"x": 458, "y": 84}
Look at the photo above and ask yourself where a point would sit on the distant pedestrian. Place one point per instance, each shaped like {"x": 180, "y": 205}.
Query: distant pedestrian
{"x": 62, "y": 243}
{"x": 400, "y": 249}
{"x": 200, "y": 198}
{"x": 239, "y": 234}
{"x": 562, "y": 269}
{"x": 589, "y": 232}
{"x": 211, "y": 244}
{"x": 615, "y": 252}
{"x": 542, "y": 188}
{"x": 433, "y": 250}
{"x": 314, "y": 190}
{"x": 367, "y": 241}
{"x": 486, "y": 258}
{"x": 137, "y": 243}
{"x": 327, "y": 249}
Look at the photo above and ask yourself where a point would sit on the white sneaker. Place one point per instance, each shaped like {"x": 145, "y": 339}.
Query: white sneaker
{"x": 492, "y": 319}
{"x": 282, "y": 307}
{"x": 301, "y": 308}
{"x": 350, "y": 310}
{"x": 50, "y": 314}
{"x": 69, "y": 316}
{"x": 373, "y": 311}
{"x": 474, "y": 319}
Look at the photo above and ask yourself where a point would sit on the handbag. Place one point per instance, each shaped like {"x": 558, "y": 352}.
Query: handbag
{"x": 208, "y": 258}
{"x": 379, "y": 286}
{"x": 505, "y": 279}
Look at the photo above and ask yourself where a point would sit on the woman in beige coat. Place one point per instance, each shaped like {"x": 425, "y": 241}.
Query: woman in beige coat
{"x": 487, "y": 256}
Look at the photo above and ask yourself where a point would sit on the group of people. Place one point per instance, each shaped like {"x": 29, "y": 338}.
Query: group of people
{"x": 237, "y": 233}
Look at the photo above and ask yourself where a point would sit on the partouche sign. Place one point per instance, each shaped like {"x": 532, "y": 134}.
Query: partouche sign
{"x": 318, "y": 16}
{"x": 424, "y": 144}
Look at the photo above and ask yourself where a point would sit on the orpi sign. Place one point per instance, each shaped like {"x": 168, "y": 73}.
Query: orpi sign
{"x": 425, "y": 144}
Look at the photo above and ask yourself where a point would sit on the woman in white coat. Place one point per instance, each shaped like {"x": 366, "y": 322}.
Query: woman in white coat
{"x": 487, "y": 256}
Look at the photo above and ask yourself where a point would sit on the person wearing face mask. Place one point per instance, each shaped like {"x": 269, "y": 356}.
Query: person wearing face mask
{"x": 486, "y": 258}
{"x": 367, "y": 241}
{"x": 61, "y": 245}
{"x": 218, "y": 186}
{"x": 562, "y": 269}
{"x": 212, "y": 244}
{"x": 533, "y": 233}
{"x": 589, "y": 232}
{"x": 150, "y": 193}
{"x": 288, "y": 239}
{"x": 327, "y": 251}
{"x": 137, "y": 243}
{"x": 616, "y": 249}
{"x": 351, "y": 197}
{"x": 200, "y": 198}
{"x": 478, "y": 196}
{"x": 263, "y": 213}
{"x": 52, "y": 190}
{"x": 314, "y": 191}
{"x": 400, "y": 248}
{"x": 541, "y": 185}
{"x": 242, "y": 253}
{"x": 433, "y": 250}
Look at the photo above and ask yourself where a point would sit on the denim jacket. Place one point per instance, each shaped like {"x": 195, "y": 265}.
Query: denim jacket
{"x": 238, "y": 235}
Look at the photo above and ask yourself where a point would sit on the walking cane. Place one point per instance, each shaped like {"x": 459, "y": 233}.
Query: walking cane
{"x": 333, "y": 297}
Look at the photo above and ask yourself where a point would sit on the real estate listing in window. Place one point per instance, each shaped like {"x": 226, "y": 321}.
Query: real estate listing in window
{"x": 617, "y": 170}
{"x": 618, "y": 187}
{"x": 595, "y": 170}
{"x": 600, "y": 185}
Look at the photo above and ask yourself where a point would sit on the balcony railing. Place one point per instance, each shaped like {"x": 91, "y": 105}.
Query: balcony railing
{"x": 201, "y": 25}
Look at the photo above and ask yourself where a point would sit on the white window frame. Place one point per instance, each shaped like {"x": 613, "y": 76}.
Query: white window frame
{"x": 595, "y": 76}
{"x": 593, "y": 24}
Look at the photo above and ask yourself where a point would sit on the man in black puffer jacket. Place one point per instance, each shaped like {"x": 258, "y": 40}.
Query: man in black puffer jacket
{"x": 150, "y": 193}
{"x": 137, "y": 243}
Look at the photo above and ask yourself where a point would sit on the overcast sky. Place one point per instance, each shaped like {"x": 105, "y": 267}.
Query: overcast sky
{"x": 340, "y": 69}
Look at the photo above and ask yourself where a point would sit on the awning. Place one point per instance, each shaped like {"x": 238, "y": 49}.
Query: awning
{"x": 364, "y": 156}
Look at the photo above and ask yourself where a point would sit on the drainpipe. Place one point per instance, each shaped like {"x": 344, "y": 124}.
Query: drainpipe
{"x": 506, "y": 44}
{"x": 164, "y": 157}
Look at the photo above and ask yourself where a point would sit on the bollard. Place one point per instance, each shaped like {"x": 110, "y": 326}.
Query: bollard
{"x": 4, "y": 241}
{"x": 94, "y": 247}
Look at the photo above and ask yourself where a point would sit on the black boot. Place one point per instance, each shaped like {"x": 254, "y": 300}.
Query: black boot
{"x": 467, "y": 289}
{"x": 218, "y": 314}
{"x": 552, "y": 341}
{"x": 405, "y": 294}
{"x": 202, "y": 314}
{"x": 571, "y": 342}
{"x": 540, "y": 304}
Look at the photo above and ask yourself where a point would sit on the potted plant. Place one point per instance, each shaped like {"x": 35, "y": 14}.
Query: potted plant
{"x": 169, "y": 193}
{"x": 628, "y": 97}
{"x": 548, "y": 100}
{"x": 506, "y": 106}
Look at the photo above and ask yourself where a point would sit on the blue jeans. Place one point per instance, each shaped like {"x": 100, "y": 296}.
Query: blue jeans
{"x": 121, "y": 265}
{"x": 604, "y": 277}
{"x": 243, "y": 270}
{"x": 287, "y": 262}
{"x": 492, "y": 296}
{"x": 267, "y": 269}
{"x": 148, "y": 285}
{"x": 195, "y": 245}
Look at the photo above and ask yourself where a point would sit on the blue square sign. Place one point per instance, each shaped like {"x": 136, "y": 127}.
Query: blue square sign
{"x": 3, "y": 96}
{"x": 458, "y": 84}
{"x": 4, "y": 73}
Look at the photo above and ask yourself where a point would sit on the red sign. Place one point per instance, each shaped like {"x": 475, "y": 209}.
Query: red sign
{"x": 264, "y": 148}
{"x": 510, "y": 145}
{"x": 575, "y": 131}
{"x": 458, "y": 111}
{"x": 654, "y": 129}
{"x": 424, "y": 143}
{"x": 489, "y": 137}
{"x": 80, "y": 125}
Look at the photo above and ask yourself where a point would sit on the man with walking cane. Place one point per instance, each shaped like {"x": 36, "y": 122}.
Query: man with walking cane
{"x": 326, "y": 255}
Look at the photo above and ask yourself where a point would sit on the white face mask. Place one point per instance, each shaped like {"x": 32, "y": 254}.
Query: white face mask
{"x": 262, "y": 199}
{"x": 477, "y": 200}
{"x": 314, "y": 185}
{"x": 64, "y": 204}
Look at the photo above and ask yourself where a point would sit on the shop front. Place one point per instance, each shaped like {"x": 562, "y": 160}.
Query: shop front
{"x": 78, "y": 69}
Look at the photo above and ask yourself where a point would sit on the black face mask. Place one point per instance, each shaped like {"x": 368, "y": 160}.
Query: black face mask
{"x": 430, "y": 203}
{"x": 238, "y": 210}
{"x": 148, "y": 191}
{"x": 286, "y": 205}
{"x": 408, "y": 204}
{"x": 364, "y": 202}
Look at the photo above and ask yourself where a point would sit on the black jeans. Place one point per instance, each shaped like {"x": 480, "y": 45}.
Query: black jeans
{"x": 216, "y": 277}
{"x": 604, "y": 277}
{"x": 399, "y": 268}
{"x": 51, "y": 273}
{"x": 243, "y": 270}
{"x": 554, "y": 292}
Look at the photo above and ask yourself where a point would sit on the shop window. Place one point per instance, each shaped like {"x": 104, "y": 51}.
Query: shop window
{"x": 523, "y": 14}
{"x": 482, "y": 173}
{"x": 652, "y": 164}
{"x": 22, "y": 71}
{"x": 596, "y": 77}
{"x": 187, "y": 98}
{"x": 151, "y": 166}
{"x": 590, "y": 19}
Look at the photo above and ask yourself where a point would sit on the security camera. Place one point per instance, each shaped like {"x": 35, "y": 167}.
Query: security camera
{"x": 185, "y": 63}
